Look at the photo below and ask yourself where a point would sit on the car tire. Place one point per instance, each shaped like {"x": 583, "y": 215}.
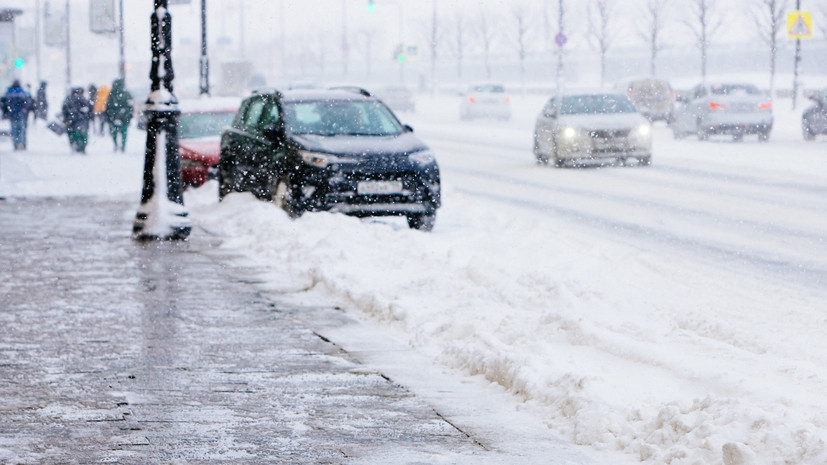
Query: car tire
{"x": 764, "y": 136}
{"x": 645, "y": 161}
{"x": 701, "y": 132}
{"x": 676, "y": 133}
{"x": 282, "y": 194}
{"x": 224, "y": 186}
{"x": 422, "y": 221}
{"x": 807, "y": 130}
{"x": 542, "y": 159}
{"x": 740, "y": 137}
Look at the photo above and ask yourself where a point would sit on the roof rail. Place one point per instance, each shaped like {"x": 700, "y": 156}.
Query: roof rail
{"x": 354, "y": 89}
{"x": 265, "y": 90}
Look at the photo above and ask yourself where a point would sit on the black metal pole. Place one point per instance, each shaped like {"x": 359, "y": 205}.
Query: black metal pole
{"x": 205, "y": 61}
{"x": 797, "y": 59}
{"x": 162, "y": 215}
{"x": 68, "y": 50}
{"x": 121, "y": 56}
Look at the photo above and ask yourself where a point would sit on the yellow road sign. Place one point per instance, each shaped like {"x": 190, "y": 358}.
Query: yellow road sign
{"x": 799, "y": 25}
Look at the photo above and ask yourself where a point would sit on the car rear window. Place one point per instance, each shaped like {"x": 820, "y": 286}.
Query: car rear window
{"x": 334, "y": 118}
{"x": 735, "y": 89}
{"x": 205, "y": 124}
{"x": 492, "y": 88}
{"x": 596, "y": 104}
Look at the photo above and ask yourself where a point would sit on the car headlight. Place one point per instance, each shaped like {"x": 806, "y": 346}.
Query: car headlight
{"x": 569, "y": 133}
{"x": 423, "y": 158}
{"x": 323, "y": 160}
{"x": 643, "y": 131}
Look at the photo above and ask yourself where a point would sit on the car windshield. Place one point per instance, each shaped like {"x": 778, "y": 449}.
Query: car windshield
{"x": 340, "y": 118}
{"x": 735, "y": 89}
{"x": 492, "y": 88}
{"x": 596, "y": 104}
{"x": 195, "y": 125}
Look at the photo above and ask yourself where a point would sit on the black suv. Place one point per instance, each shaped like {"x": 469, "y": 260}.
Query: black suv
{"x": 329, "y": 150}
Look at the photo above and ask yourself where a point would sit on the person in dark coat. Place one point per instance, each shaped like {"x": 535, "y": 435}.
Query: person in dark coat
{"x": 41, "y": 103}
{"x": 118, "y": 112}
{"x": 77, "y": 113}
{"x": 16, "y": 105}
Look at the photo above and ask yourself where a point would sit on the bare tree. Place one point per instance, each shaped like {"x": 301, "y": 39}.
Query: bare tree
{"x": 522, "y": 26}
{"x": 601, "y": 16}
{"x": 770, "y": 20}
{"x": 823, "y": 23}
{"x": 654, "y": 18}
{"x": 487, "y": 33}
{"x": 435, "y": 35}
{"x": 457, "y": 44}
{"x": 703, "y": 23}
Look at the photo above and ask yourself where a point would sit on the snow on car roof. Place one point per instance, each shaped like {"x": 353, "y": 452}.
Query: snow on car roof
{"x": 206, "y": 104}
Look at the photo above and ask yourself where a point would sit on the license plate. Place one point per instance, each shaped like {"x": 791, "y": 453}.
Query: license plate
{"x": 379, "y": 187}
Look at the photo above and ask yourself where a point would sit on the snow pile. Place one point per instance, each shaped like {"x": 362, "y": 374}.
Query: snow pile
{"x": 614, "y": 349}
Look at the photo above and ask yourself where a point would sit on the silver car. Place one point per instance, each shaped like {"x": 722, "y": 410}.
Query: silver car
{"x": 485, "y": 101}
{"x": 591, "y": 126}
{"x": 814, "y": 119}
{"x": 732, "y": 109}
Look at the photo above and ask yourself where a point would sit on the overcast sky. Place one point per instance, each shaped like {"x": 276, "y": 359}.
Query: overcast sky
{"x": 313, "y": 29}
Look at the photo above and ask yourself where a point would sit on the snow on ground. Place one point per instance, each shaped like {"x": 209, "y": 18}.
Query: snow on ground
{"x": 641, "y": 355}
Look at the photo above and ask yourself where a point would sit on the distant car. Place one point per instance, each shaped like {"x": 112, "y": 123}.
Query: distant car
{"x": 199, "y": 141}
{"x": 591, "y": 126}
{"x": 397, "y": 98}
{"x": 734, "y": 109}
{"x": 485, "y": 101}
{"x": 653, "y": 98}
{"x": 814, "y": 119}
{"x": 329, "y": 150}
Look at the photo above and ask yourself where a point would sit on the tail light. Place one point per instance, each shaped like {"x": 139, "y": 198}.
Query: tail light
{"x": 765, "y": 106}
{"x": 716, "y": 106}
{"x": 471, "y": 99}
{"x": 507, "y": 99}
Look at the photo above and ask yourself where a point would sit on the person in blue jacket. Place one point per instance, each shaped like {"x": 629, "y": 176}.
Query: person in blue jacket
{"x": 16, "y": 106}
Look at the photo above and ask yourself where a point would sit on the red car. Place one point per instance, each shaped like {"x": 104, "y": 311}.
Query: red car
{"x": 199, "y": 141}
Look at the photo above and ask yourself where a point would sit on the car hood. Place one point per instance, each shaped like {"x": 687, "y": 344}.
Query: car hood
{"x": 369, "y": 146}
{"x": 608, "y": 121}
{"x": 207, "y": 149}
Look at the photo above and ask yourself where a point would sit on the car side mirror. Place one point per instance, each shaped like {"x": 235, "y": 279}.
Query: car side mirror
{"x": 274, "y": 133}
{"x": 407, "y": 128}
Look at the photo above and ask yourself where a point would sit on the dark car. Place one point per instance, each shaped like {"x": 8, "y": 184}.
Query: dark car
{"x": 329, "y": 150}
{"x": 814, "y": 119}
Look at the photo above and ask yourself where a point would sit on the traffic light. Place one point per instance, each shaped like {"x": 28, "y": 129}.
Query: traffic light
{"x": 371, "y": 6}
{"x": 19, "y": 63}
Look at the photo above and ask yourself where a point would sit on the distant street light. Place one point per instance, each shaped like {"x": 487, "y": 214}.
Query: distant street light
{"x": 204, "y": 63}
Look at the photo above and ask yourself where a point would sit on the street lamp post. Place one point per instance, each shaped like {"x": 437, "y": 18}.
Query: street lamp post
{"x": 162, "y": 215}
{"x": 205, "y": 61}
{"x": 121, "y": 57}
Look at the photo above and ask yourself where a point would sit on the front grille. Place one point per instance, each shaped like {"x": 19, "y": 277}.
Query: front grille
{"x": 607, "y": 134}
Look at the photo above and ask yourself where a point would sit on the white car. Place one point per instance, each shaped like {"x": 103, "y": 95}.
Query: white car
{"x": 485, "y": 101}
{"x": 591, "y": 126}
{"x": 733, "y": 109}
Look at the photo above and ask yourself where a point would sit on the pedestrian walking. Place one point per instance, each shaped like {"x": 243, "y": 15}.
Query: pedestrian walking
{"x": 77, "y": 114}
{"x": 118, "y": 112}
{"x": 16, "y": 105}
{"x": 100, "y": 108}
{"x": 41, "y": 103}
{"x": 92, "y": 95}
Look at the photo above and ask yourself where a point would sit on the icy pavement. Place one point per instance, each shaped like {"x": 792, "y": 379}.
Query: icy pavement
{"x": 118, "y": 352}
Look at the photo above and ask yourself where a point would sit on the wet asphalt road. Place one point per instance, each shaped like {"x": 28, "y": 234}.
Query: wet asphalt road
{"x": 112, "y": 351}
